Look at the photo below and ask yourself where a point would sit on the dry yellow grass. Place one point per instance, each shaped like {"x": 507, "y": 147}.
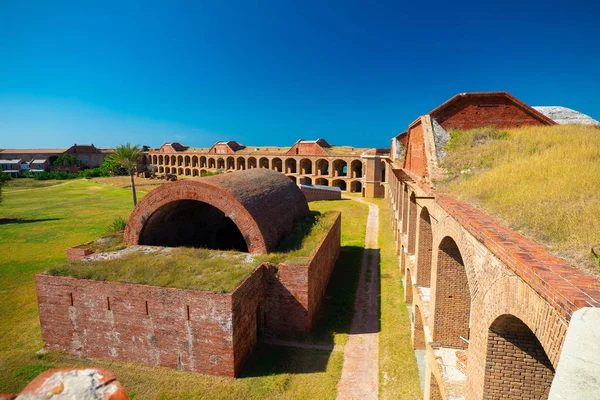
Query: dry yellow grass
{"x": 542, "y": 181}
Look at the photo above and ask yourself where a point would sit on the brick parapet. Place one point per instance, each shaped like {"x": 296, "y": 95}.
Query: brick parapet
{"x": 561, "y": 284}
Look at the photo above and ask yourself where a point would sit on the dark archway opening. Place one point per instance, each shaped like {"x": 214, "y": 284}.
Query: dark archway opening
{"x": 191, "y": 223}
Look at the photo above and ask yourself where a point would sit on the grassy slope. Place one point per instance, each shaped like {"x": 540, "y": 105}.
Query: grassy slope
{"x": 68, "y": 214}
{"x": 543, "y": 181}
{"x": 398, "y": 375}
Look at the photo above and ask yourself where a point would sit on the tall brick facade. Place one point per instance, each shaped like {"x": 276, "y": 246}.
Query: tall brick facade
{"x": 425, "y": 249}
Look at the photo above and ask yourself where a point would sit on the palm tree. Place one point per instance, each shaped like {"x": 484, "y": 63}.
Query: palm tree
{"x": 128, "y": 156}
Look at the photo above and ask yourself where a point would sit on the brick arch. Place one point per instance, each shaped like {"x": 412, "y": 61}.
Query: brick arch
{"x": 516, "y": 365}
{"x": 263, "y": 204}
{"x": 408, "y": 290}
{"x": 412, "y": 223}
{"x": 452, "y": 297}
{"x": 418, "y": 330}
{"x": 424, "y": 249}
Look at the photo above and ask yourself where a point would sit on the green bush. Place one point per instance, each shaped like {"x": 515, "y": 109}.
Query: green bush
{"x": 117, "y": 225}
{"x": 58, "y": 175}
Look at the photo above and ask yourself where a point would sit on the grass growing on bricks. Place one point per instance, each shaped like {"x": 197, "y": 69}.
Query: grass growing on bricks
{"x": 198, "y": 268}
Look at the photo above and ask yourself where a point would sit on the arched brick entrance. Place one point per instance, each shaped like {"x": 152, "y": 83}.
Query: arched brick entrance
{"x": 424, "y": 249}
{"x": 263, "y": 205}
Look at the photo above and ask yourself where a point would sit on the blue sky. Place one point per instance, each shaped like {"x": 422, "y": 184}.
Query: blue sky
{"x": 271, "y": 72}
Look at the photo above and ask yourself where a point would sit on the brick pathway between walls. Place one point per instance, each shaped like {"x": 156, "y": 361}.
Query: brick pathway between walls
{"x": 361, "y": 354}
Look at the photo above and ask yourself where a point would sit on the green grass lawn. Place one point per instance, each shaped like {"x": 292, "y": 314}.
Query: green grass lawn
{"x": 44, "y": 220}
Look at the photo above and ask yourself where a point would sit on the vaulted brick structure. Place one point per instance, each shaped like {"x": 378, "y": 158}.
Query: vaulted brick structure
{"x": 210, "y": 332}
{"x": 248, "y": 211}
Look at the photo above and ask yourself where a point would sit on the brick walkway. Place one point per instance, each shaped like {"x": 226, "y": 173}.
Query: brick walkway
{"x": 361, "y": 354}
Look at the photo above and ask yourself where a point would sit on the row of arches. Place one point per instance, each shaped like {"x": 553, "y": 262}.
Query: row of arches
{"x": 354, "y": 186}
{"x": 434, "y": 266}
{"x": 304, "y": 166}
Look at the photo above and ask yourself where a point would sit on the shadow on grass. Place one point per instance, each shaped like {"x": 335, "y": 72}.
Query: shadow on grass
{"x": 274, "y": 360}
{"x": 6, "y": 221}
{"x": 337, "y": 307}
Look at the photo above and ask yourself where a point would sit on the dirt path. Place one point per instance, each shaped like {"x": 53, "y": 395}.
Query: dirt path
{"x": 361, "y": 354}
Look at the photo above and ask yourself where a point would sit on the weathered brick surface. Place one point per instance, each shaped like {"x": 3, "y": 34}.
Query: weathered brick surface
{"x": 516, "y": 365}
{"x": 210, "y": 333}
{"x": 496, "y": 109}
{"x": 498, "y": 272}
{"x": 181, "y": 329}
{"x": 418, "y": 332}
{"x": 452, "y": 301}
{"x": 264, "y": 205}
{"x": 76, "y": 254}
{"x": 316, "y": 194}
{"x": 425, "y": 249}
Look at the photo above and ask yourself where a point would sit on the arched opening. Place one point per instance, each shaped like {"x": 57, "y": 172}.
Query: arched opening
{"x": 202, "y": 162}
{"x": 321, "y": 181}
{"x": 220, "y": 163}
{"x": 290, "y": 166}
{"x": 160, "y": 160}
{"x": 516, "y": 365}
{"x": 211, "y": 163}
{"x": 305, "y": 166}
{"x": 241, "y": 163}
{"x": 277, "y": 164}
{"x": 188, "y": 172}
{"x": 251, "y": 163}
{"x": 339, "y": 183}
{"x": 195, "y": 172}
{"x": 305, "y": 180}
{"x": 263, "y": 162}
{"x": 173, "y": 160}
{"x": 322, "y": 167}
{"x": 356, "y": 187}
{"x": 418, "y": 330}
{"x": 412, "y": 223}
{"x": 203, "y": 172}
{"x": 195, "y": 162}
{"x": 192, "y": 223}
{"x": 167, "y": 170}
{"x": 357, "y": 169}
{"x": 408, "y": 290}
{"x": 402, "y": 261}
{"x": 293, "y": 178}
{"x": 187, "y": 161}
{"x": 424, "y": 249}
{"x": 154, "y": 159}
{"x": 230, "y": 163}
{"x": 180, "y": 171}
{"x": 180, "y": 161}
{"x": 161, "y": 170}
{"x": 383, "y": 174}
{"x": 452, "y": 298}
{"x": 339, "y": 168}
{"x": 405, "y": 210}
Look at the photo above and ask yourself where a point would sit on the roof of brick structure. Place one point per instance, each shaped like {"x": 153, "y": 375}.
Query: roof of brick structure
{"x": 263, "y": 204}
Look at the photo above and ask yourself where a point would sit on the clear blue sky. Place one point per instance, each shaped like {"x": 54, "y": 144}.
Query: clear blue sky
{"x": 271, "y": 72}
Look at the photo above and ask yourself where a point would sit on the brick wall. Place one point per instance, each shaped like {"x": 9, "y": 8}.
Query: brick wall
{"x": 210, "y": 333}
{"x": 424, "y": 250}
{"x": 452, "y": 297}
{"x": 295, "y": 290}
{"x": 418, "y": 332}
{"x": 415, "y": 160}
{"x": 412, "y": 224}
{"x": 316, "y": 194}
{"x": 480, "y": 110}
{"x": 181, "y": 329}
{"x": 516, "y": 365}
